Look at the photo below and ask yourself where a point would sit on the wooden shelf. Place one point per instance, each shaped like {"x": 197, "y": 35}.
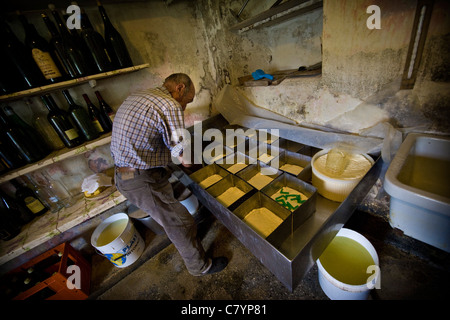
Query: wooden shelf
{"x": 64, "y": 153}
{"x": 56, "y": 156}
{"x": 44, "y": 228}
{"x": 70, "y": 83}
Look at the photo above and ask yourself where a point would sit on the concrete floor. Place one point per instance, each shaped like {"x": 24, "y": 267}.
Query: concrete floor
{"x": 409, "y": 270}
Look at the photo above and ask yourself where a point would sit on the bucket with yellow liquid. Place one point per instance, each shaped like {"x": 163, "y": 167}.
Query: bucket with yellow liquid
{"x": 117, "y": 239}
{"x": 349, "y": 267}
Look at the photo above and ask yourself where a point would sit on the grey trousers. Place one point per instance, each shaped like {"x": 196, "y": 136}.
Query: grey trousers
{"x": 151, "y": 191}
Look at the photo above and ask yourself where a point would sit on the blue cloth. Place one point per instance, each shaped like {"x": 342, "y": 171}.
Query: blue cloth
{"x": 259, "y": 74}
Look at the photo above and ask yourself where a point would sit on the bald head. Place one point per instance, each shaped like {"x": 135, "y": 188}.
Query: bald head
{"x": 181, "y": 87}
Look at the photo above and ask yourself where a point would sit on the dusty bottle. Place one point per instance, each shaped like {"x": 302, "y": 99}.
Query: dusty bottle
{"x": 106, "y": 111}
{"x": 96, "y": 45}
{"x": 29, "y": 199}
{"x": 31, "y": 132}
{"x": 21, "y": 140}
{"x": 81, "y": 118}
{"x": 77, "y": 63}
{"x": 9, "y": 156}
{"x": 61, "y": 123}
{"x": 42, "y": 53}
{"x": 20, "y": 58}
{"x": 19, "y": 210}
{"x": 95, "y": 116}
{"x": 10, "y": 223}
{"x": 41, "y": 124}
{"x": 115, "y": 45}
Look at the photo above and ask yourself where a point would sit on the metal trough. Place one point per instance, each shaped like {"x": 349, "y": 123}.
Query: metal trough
{"x": 292, "y": 249}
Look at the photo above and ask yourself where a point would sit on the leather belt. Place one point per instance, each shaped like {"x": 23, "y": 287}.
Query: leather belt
{"x": 126, "y": 169}
{"x": 127, "y": 173}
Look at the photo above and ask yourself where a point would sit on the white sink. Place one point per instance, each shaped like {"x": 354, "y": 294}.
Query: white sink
{"x": 418, "y": 181}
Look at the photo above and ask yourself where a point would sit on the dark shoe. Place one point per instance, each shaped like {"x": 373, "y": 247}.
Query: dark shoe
{"x": 217, "y": 265}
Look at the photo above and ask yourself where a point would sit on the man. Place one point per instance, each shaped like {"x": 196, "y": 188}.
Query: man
{"x": 141, "y": 146}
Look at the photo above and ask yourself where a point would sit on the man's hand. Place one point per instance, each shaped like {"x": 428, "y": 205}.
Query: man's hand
{"x": 184, "y": 164}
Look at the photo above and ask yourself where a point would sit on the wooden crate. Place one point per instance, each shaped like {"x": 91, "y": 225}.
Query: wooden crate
{"x": 50, "y": 268}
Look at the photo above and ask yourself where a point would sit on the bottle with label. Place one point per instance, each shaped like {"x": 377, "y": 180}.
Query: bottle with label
{"x": 39, "y": 184}
{"x": 107, "y": 112}
{"x": 42, "y": 53}
{"x": 115, "y": 45}
{"x": 95, "y": 116}
{"x": 57, "y": 46}
{"x": 61, "y": 123}
{"x": 81, "y": 118}
{"x": 21, "y": 59}
{"x": 28, "y": 198}
{"x": 20, "y": 140}
{"x": 78, "y": 66}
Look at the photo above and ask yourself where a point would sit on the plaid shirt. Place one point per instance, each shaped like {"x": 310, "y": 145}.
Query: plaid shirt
{"x": 145, "y": 132}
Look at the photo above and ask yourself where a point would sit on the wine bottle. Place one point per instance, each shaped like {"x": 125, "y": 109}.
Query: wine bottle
{"x": 106, "y": 110}
{"x": 10, "y": 79}
{"x": 45, "y": 193}
{"x": 78, "y": 66}
{"x": 32, "y": 133}
{"x": 61, "y": 123}
{"x": 58, "y": 190}
{"x": 10, "y": 224}
{"x": 42, "y": 53}
{"x": 21, "y": 212}
{"x": 41, "y": 124}
{"x": 28, "y": 198}
{"x": 10, "y": 157}
{"x": 20, "y": 140}
{"x": 95, "y": 116}
{"x": 21, "y": 59}
{"x": 79, "y": 42}
{"x": 57, "y": 45}
{"x": 3, "y": 166}
{"x": 115, "y": 45}
{"x": 81, "y": 118}
{"x": 96, "y": 45}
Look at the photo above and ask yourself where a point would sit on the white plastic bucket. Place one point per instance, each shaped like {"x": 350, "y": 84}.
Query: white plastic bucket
{"x": 333, "y": 188}
{"x": 337, "y": 290}
{"x": 126, "y": 244}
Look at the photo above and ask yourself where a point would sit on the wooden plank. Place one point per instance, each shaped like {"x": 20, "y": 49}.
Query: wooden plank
{"x": 69, "y": 83}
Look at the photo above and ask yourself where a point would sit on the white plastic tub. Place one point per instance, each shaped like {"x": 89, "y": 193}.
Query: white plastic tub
{"x": 332, "y": 188}
{"x": 337, "y": 290}
{"x": 418, "y": 181}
